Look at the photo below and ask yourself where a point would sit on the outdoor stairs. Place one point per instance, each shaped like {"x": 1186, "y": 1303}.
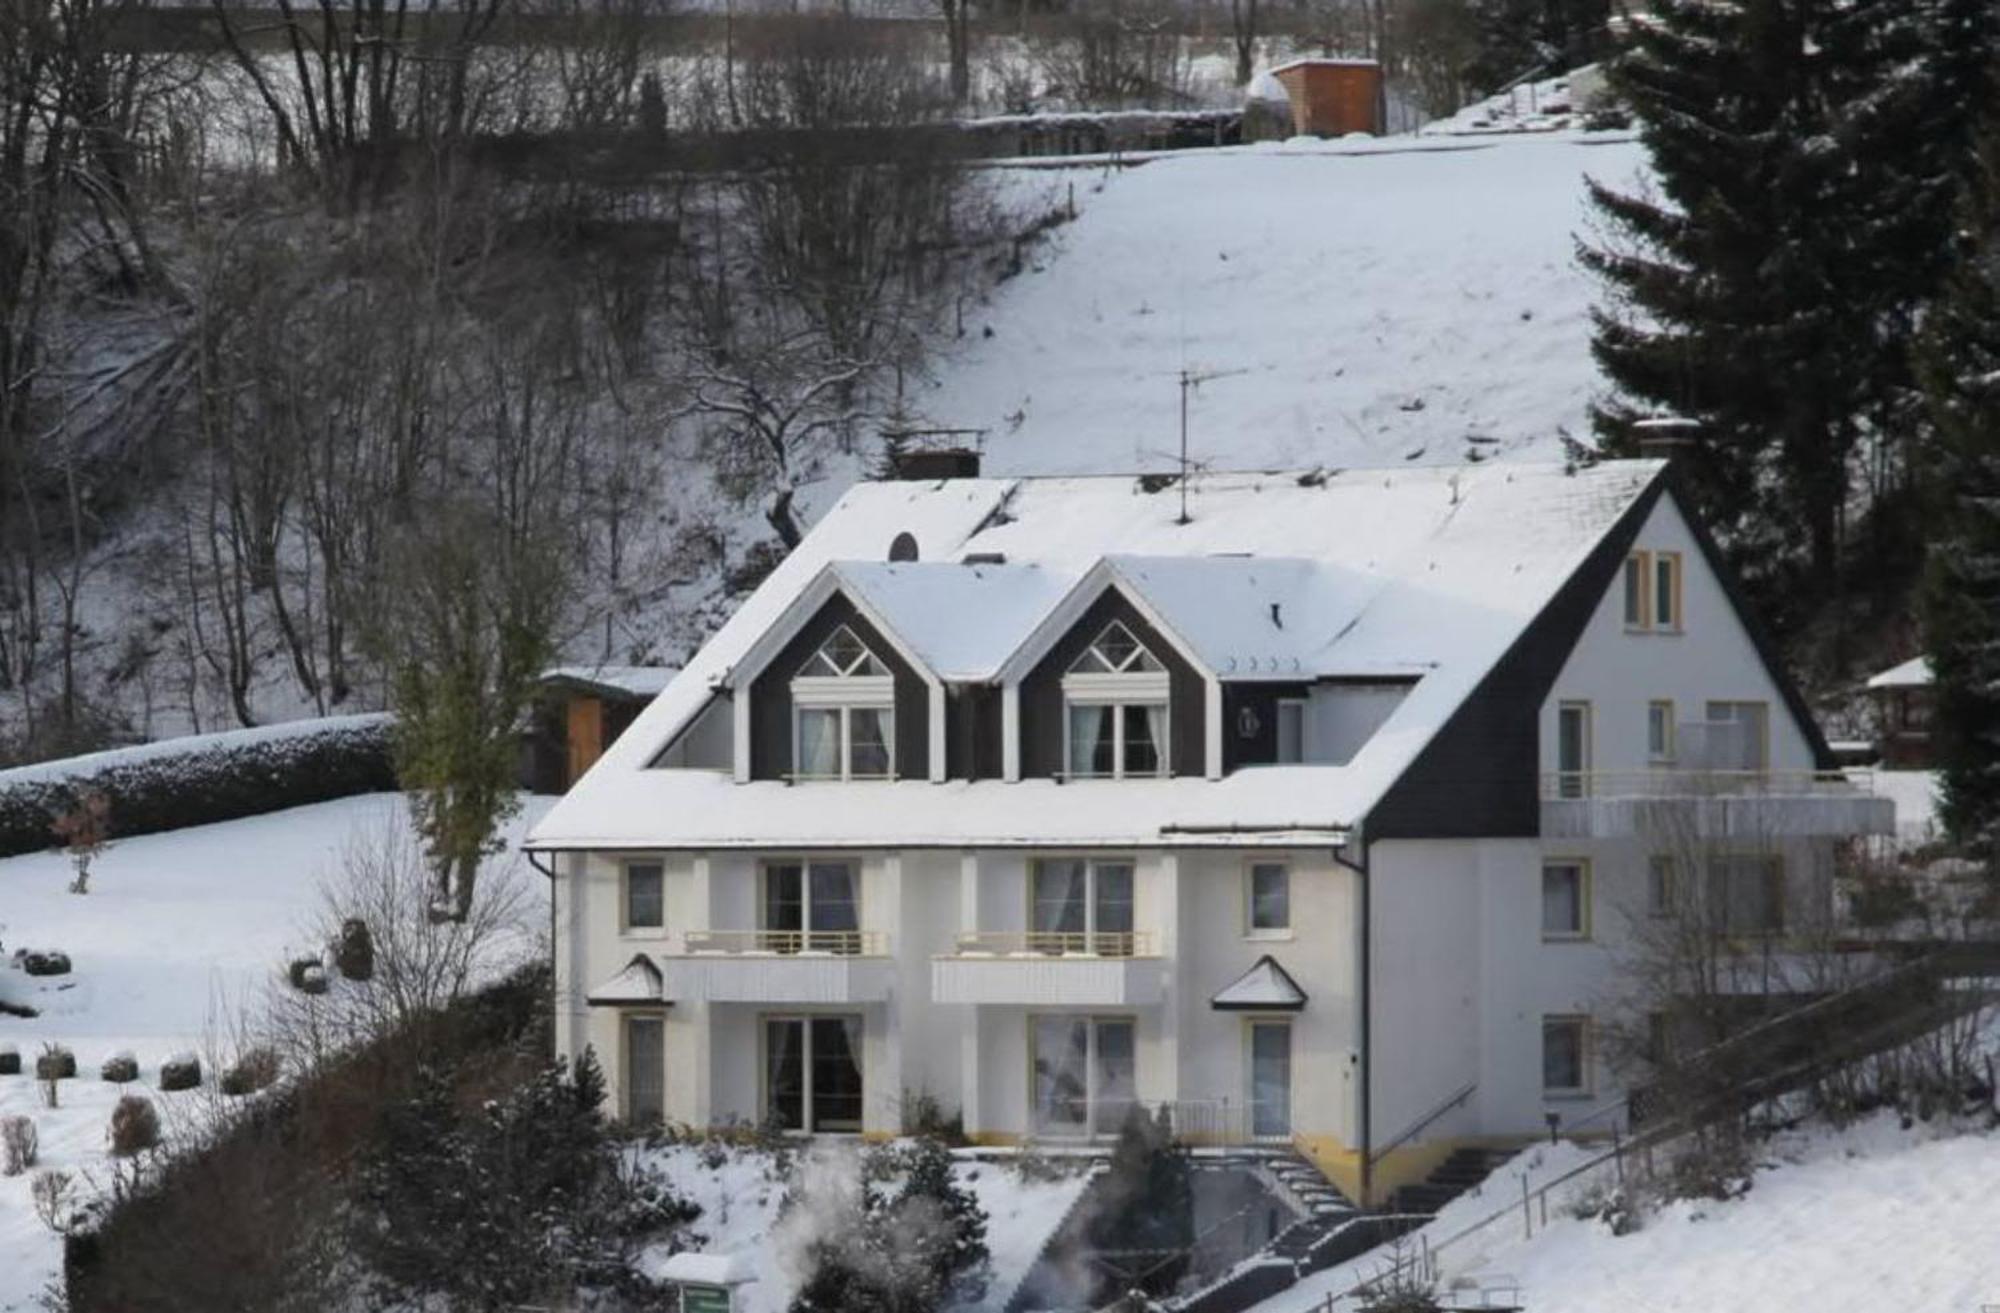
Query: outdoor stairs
{"x": 1462, "y": 1171}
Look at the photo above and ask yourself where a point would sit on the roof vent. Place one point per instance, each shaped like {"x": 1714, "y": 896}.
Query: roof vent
{"x": 903, "y": 547}
{"x": 985, "y": 558}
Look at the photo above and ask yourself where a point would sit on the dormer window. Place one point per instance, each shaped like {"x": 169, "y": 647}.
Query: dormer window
{"x": 1115, "y": 699}
{"x": 844, "y": 713}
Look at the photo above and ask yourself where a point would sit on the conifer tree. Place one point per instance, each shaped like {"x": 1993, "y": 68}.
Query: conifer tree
{"x": 1961, "y": 597}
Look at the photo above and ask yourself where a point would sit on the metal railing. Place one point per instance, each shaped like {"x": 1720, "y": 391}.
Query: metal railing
{"x": 1572, "y": 785}
{"x": 1417, "y": 1127}
{"x": 783, "y": 943}
{"x": 1049, "y": 943}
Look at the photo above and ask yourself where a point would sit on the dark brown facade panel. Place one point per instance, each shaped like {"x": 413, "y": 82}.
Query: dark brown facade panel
{"x": 1042, "y": 727}
{"x": 771, "y": 696}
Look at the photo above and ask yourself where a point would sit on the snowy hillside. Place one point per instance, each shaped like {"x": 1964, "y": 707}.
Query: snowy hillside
{"x": 1353, "y": 303}
{"x": 178, "y": 934}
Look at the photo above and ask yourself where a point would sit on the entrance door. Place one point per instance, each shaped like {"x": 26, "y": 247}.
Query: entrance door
{"x": 1084, "y": 1082}
{"x": 812, "y": 1073}
{"x": 1270, "y": 1079}
{"x": 645, "y": 1071}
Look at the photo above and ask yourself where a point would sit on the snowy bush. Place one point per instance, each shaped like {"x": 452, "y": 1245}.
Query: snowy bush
{"x": 10, "y": 1059}
{"x": 55, "y": 1200}
{"x": 200, "y": 780}
{"x": 354, "y": 950}
{"x": 18, "y": 1143}
{"x": 42, "y": 961}
{"x": 119, "y": 1067}
{"x": 135, "y": 1126}
{"x": 55, "y": 1063}
{"x": 307, "y": 974}
{"x": 254, "y": 1070}
{"x": 181, "y": 1071}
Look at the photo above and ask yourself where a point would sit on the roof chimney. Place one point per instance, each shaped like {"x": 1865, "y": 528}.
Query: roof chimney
{"x": 1666, "y": 437}
{"x": 922, "y": 464}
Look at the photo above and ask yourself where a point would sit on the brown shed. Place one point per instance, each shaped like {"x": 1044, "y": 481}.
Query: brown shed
{"x": 1904, "y": 702}
{"x": 579, "y": 713}
{"x": 1333, "y": 97}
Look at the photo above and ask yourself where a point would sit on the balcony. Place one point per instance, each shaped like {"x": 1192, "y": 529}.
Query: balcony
{"x": 1712, "y": 804}
{"x": 1036, "y": 968}
{"x": 781, "y": 966}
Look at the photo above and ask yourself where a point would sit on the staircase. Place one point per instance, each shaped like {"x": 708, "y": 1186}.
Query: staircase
{"x": 1462, "y": 1171}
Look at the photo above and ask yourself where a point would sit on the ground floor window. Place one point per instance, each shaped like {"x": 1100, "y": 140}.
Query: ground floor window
{"x": 812, "y": 1073}
{"x": 1565, "y": 1055}
{"x": 1083, "y": 1077}
{"x": 1270, "y": 1078}
{"x": 645, "y": 1070}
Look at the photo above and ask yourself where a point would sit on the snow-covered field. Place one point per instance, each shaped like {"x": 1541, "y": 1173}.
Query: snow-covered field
{"x": 1879, "y": 1216}
{"x": 179, "y": 934}
{"x": 1347, "y": 303}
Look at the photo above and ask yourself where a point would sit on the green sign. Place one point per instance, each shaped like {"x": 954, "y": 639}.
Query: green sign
{"x": 704, "y": 1299}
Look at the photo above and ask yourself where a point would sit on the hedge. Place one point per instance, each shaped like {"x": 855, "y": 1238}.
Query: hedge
{"x": 201, "y": 780}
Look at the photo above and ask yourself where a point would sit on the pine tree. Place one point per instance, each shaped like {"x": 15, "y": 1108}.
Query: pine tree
{"x": 933, "y": 1200}
{"x": 1961, "y": 597}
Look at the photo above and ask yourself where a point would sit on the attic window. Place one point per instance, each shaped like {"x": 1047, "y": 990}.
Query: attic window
{"x": 842, "y": 656}
{"x": 1116, "y": 698}
{"x": 1116, "y": 652}
{"x": 843, "y": 713}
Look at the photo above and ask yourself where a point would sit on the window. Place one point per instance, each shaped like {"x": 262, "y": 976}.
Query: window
{"x": 812, "y": 1073}
{"x": 1081, "y": 907}
{"x": 1115, "y": 700}
{"x": 1566, "y": 899}
{"x": 1565, "y": 1055}
{"x": 645, "y": 1070}
{"x": 1660, "y": 730}
{"x": 1270, "y": 898}
{"x": 1082, "y": 1073}
{"x": 1270, "y": 1079}
{"x": 1638, "y": 578}
{"x": 1737, "y": 738}
{"x": 645, "y": 900}
{"x": 813, "y": 907}
{"x": 843, "y": 713}
{"x": 1666, "y": 614}
{"x": 1746, "y": 894}
{"x": 1662, "y": 886}
{"x": 1572, "y": 749}
{"x": 1291, "y": 731}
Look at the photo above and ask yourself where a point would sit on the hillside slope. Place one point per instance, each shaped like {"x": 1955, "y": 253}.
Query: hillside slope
{"x": 1355, "y": 303}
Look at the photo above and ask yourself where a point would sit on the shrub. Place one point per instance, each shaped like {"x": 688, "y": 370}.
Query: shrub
{"x": 307, "y": 974}
{"x": 10, "y": 1059}
{"x": 354, "y": 950}
{"x": 42, "y": 961}
{"x": 55, "y": 1063}
{"x": 135, "y": 1126}
{"x": 120, "y": 1067}
{"x": 255, "y": 1069}
{"x": 51, "y": 1192}
{"x": 18, "y": 1143}
{"x": 181, "y": 1071}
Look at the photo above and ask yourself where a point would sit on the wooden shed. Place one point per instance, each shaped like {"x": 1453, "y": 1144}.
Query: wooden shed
{"x": 580, "y": 711}
{"x": 1333, "y": 97}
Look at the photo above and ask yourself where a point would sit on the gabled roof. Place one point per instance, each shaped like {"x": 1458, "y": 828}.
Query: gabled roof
{"x": 1265, "y": 987}
{"x": 1914, "y": 673}
{"x": 639, "y": 983}
{"x": 960, "y": 620}
{"x": 624, "y": 682}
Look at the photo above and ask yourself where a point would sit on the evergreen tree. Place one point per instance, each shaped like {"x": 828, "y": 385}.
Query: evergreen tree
{"x": 1961, "y": 596}
{"x": 950, "y": 1219}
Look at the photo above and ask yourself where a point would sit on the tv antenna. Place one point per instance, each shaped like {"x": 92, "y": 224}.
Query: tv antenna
{"x": 1190, "y": 379}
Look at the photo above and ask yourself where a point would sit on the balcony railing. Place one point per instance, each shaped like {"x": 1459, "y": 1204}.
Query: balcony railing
{"x": 1048, "y": 943}
{"x": 1558, "y": 786}
{"x": 787, "y": 943}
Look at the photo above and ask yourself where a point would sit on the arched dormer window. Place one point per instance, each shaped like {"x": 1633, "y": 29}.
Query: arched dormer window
{"x": 1115, "y": 701}
{"x": 843, "y": 713}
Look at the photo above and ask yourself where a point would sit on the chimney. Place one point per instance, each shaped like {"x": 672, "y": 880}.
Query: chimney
{"x": 924, "y": 464}
{"x": 1666, "y": 437}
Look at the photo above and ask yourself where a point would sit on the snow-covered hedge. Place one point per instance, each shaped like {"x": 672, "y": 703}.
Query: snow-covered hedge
{"x": 200, "y": 780}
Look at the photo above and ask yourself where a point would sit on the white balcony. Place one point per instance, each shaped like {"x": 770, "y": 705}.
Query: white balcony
{"x": 1712, "y": 804}
{"x": 1031, "y": 968}
{"x": 781, "y": 966}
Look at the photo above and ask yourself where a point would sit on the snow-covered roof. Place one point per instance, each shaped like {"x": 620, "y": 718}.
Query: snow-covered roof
{"x": 1322, "y": 61}
{"x": 693, "y": 1269}
{"x": 639, "y": 982}
{"x": 961, "y": 620}
{"x": 630, "y": 681}
{"x": 1432, "y": 569}
{"x": 1914, "y": 673}
{"x": 1265, "y": 87}
{"x": 1265, "y": 987}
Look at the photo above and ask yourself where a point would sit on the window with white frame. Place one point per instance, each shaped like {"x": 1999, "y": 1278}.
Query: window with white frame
{"x": 1638, "y": 589}
{"x": 645, "y": 896}
{"x": 1270, "y": 899}
{"x": 844, "y": 713}
{"x": 645, "y": 1069}
{"x": 1660, "y": 730}
{"x": 812, "y": 907}
{"x": 1653, "y": 591}
{"x": 1115, "y": 703}
{"x": 1082, "y": 1073}
{"x": 1565, "y": 1055}
{"x": 1081, "y": 906}
{"x": 1566, "y": 899}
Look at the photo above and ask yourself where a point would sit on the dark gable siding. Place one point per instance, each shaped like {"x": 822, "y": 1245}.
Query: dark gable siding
{"x": 1479, "y": 777}
{"x": 1259, "y": 748}
{"x": 1042, "y": 727}
{"x": 972, "y": 732}
{"x": 771, "y": 696}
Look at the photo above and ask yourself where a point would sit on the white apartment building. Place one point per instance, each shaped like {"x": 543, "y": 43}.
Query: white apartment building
{"x": 1316, "y": 815}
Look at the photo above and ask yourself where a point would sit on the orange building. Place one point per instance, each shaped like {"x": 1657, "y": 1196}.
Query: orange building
{"x": 1332, "y": 97}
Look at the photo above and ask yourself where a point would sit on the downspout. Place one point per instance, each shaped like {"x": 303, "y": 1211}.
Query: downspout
{"x": 1366, "y": 1110}
{"x": 550, "y": 872}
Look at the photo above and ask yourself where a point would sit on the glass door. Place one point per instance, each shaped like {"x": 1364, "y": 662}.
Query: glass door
{"x": 812, "y": 1073}
{"x": 645, "y": 1070}
{"x": 1270, "y": 1079}
{"x": 1084, "y": 1074}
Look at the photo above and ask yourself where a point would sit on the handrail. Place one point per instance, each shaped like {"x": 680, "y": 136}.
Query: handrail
{"x": 787, "y": 943}
{"x": 1377, "y": 1155}
{"x": 1053, "y": 943}
{"x": 1669, "y": 784}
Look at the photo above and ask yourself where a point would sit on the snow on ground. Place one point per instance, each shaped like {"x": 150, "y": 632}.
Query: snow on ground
{"x": 1876, "y": 1217}
{"x": 1348, "y": 303}
{"x": 179, "y": 932}
{"x": 1915, "y": 793}
{"x": 740, "y": 1190}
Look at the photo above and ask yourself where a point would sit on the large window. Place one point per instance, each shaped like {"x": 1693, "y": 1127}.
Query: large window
{"x": 1270, "y": 895}
{"x": 645, "y": 896}
{"x": 1270, "y": 1079}
{"x": 1082, "y": 1073}
{"x": 1082, "y": 906}
{"x": 1115, "y": 699}
{"x": 645, "y": 1070}
{"x": 844, "y": 713}
{"x": 1565, "y": 1055}
{"x": 1566, "y": 899}
{"x": 812, "y": 907}
{"x": 812, "y": 1073}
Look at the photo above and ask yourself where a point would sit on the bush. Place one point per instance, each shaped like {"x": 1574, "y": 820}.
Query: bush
{"x": 354, "y": 950}
{"x": 256, "y": 1069}
{"x": 55, "y": 1063}
{"x": 307, "y": 974}
{"x": 135, "y": 1126}
{"x": 10, "y": 1059}
{"x": 18, "y": 1143}
{"x": 120, "y": 1067}
{"x": 42, "y": 961}
{"x": 181, "y": 1071}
